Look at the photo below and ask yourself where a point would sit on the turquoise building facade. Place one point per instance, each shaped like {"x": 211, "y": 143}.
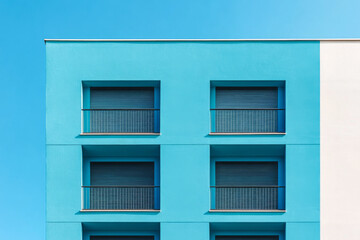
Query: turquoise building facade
{"x": 194, "y": 149}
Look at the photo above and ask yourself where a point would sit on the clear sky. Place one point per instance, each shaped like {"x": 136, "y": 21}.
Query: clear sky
{"x": 24, "y": 24}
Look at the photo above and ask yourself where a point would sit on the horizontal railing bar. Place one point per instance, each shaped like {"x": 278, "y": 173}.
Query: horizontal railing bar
{"x": 255, "y": 186}
{"x": 214, "y": 109}
{"x": 117, "y": 186}
{"x": 247, "y": 133}
{"x": 153, "y": 109}
{"x": 120, "y": 109}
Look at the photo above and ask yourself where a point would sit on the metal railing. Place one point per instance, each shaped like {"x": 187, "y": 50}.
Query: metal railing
{"x": 120, "y": 197}
{"x": 267, "y": 120}
{"x": 121, "y": 120}
{"x": 126, "y": 237}
{"x": 248, "y": 197}
{"x": 245, "y": 237}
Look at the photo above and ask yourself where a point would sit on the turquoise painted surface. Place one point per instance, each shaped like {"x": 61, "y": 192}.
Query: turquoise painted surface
{"x": 180, "y": 231}
{"x": 184, "y": 71}
{"x": 63, "y": 230}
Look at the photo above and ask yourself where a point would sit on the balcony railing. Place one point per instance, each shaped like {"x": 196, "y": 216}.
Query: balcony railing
{"x": 270, "y": 120}
{"x": 248, "y": 197}
{"x": 121, "y": 120}
{"x": 245, "y": 237}
{"x": 120, "y": 197}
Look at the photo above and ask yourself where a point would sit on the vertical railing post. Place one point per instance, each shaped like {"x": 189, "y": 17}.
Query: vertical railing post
{"x": 82, "y": 198}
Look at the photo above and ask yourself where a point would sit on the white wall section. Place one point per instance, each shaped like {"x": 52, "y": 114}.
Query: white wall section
{"x": 340, "y": 140}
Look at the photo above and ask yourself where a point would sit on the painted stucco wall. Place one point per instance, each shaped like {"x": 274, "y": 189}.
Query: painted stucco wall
{"x": 185, "y": 70}
{"x": 340, "y": 131}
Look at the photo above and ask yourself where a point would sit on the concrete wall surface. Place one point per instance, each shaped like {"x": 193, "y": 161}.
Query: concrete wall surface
{"x": 185, "y": 71}
{"x": 340, "y": 145}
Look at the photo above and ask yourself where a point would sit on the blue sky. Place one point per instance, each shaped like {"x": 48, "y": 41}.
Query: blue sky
{"x": 24, "y": 24}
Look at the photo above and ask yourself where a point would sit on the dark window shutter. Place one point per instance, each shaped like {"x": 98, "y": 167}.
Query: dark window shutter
{"x": 245, "y": 185}
{"x": 246, "y": 109}
{"x": 122, "y": 173}
{"x": 132, "y": 185}
{"x": 247, "y": 238}
{"x": 121, "y": 238}
{"x": 125, "y": 114}
{"x": 121, "y": 97}
{"x": 246, "y": 173}
{"x": 246, "y": 97}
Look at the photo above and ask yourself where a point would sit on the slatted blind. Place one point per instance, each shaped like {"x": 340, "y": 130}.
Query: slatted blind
{"x": 247, "y": 238}
{"x": 121, "y": 238}
{"x": 246, "y": 109}
{"x": 121, "y": 97}
{"x": 122, "y": 173}
{"x": 246, "y": 97}
{"x": 246, "y": 185}
{"x": 246, "y": 173}
{"x": 132, "y": 185}
{"x": 122, "y": 110}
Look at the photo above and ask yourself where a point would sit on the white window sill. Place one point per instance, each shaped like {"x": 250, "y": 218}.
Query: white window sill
{"x": 234, "y": 134}
{"x": 120, "y": 210}
{"x": 246, "y": 211}
{"x": 119, "y": 134}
